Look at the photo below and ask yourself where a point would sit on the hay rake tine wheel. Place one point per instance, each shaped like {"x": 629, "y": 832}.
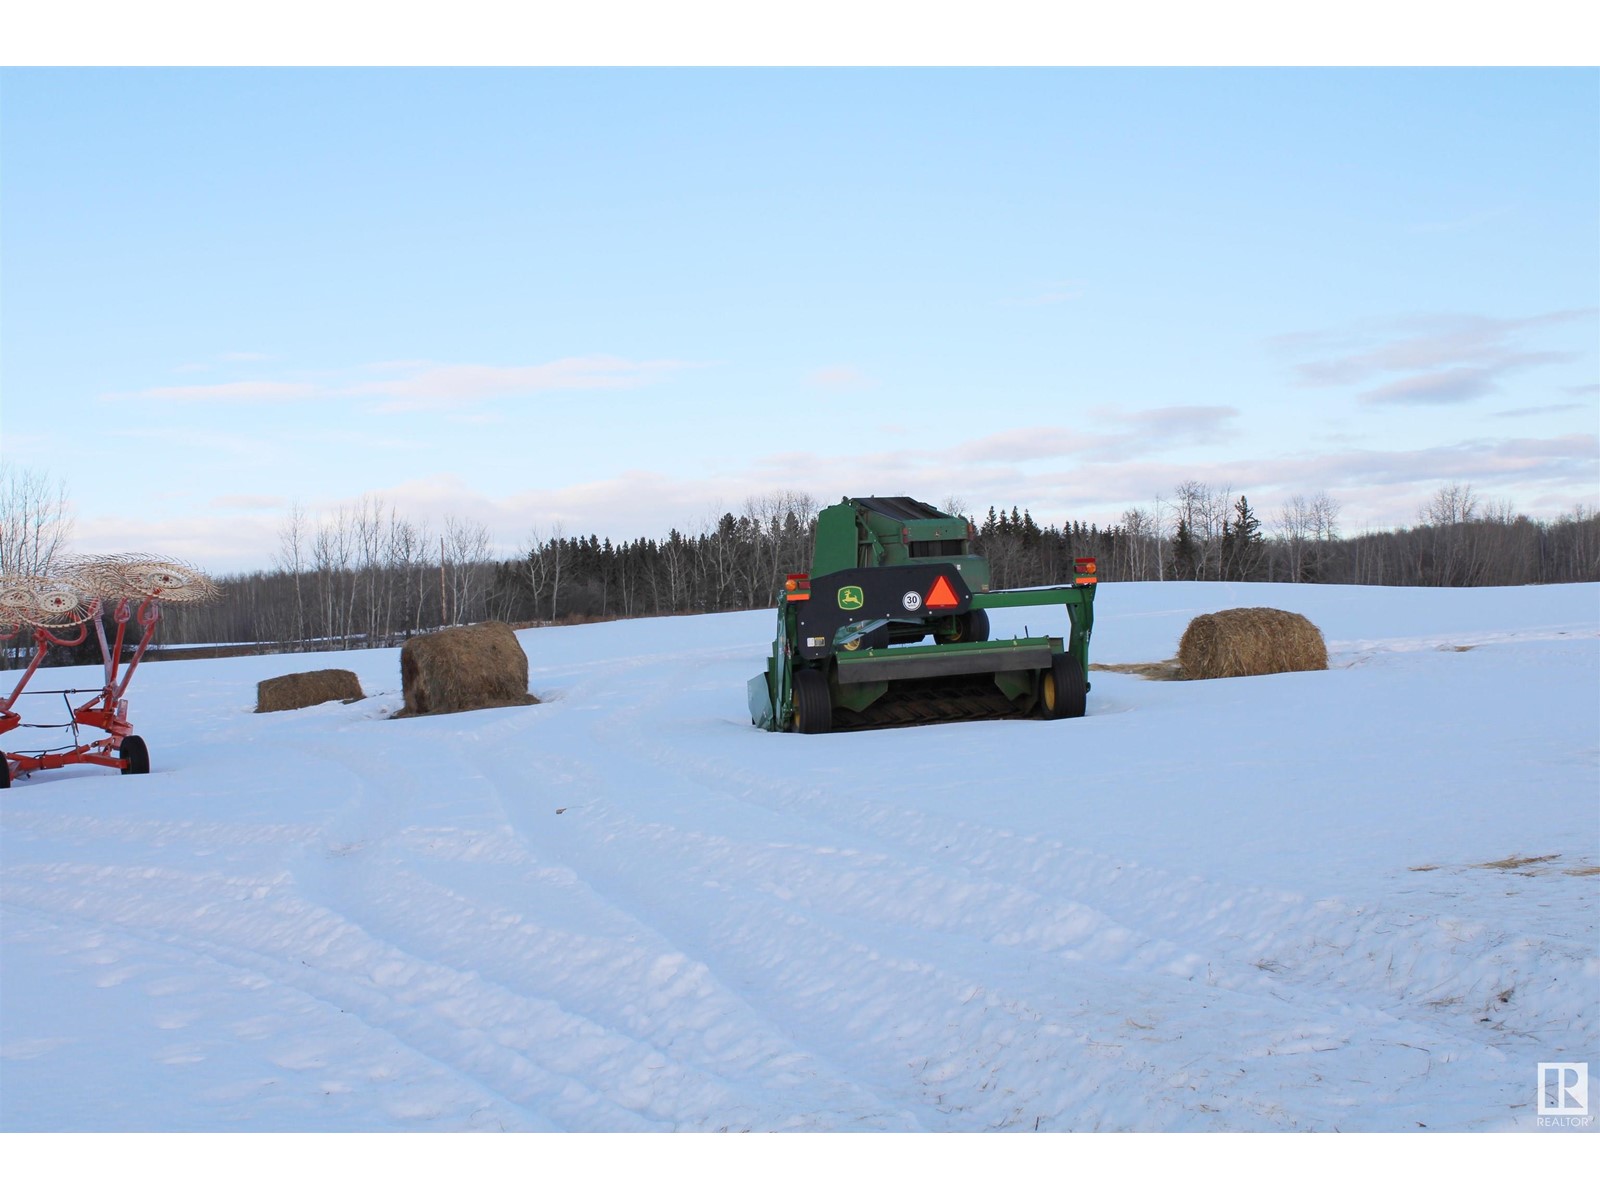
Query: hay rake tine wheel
{"x": 42, "y": 604}
{"x": 133, "y": 587}
{"x": 139, "y": 585}
{"x": 137, "y": 577}
{"x": 49, "y": 606}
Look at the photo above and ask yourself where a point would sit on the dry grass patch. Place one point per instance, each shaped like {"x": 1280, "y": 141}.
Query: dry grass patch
{"x": 1250, "y": 641}
{"x": 1156, "y": 670}
{"x": 1530, "y": 865}
{"x": 306, "y": 688}
{"x": 462, "y": 669}
{"x": 1516, "y": 862}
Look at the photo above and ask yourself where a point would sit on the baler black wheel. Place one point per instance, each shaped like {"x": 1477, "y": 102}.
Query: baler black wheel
{"x": 813, "y": 705}
{"x": 135, "y": 755}
{"x": 5, "y": 771}
{"x": 1063, "y": 690}
{"x": 971, "y": 626}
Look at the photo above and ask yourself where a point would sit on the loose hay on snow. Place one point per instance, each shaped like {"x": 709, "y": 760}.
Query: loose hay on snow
{"x": 457, "y": 670}
{"x": 306, "y": 688}
{"x": 1250, "y": 641}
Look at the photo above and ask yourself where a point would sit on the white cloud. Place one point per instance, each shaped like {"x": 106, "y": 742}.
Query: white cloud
{"x": 1438, "y": 359}
{"x": 1131, "y": 433}
{"x": 426, "y": 386}
{"x": 243, "y": 391}
{"x": 1541, "y": 410}
{"x": 249, "y": 503}
{"x": 451, "y": 385}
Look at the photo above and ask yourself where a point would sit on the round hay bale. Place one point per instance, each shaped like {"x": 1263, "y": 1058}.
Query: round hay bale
{"x": 457, "y": 670}
{"x": 306, "y": 688}
{"x": 1250, "y": 641}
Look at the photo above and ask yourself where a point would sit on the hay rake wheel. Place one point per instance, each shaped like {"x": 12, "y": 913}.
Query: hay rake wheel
{"x": 139, "y": 578}
{"x": 127, "y": 588}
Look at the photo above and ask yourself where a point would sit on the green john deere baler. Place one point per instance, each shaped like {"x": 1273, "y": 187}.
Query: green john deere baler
{"x": 891, "y": 627}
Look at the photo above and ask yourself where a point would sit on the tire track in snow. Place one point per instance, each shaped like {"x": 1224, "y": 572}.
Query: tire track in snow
{"x": 627, "y": 982}
{"x": 839, "y": 982}
{"x": 520, "y": 1052}
{"x": 336, "y": 1018}
{"x": 1469, "y": 974}
{"x": 1468, "y": 986}
{"x": 796, "y": 888}
{"x": 538, "y": 1055}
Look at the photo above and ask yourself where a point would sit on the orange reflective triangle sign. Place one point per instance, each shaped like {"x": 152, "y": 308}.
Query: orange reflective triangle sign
{"x": 942, "y": 595}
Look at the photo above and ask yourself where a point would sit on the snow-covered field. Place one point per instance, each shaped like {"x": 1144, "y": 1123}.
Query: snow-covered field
{"x": 1355, "y": 900}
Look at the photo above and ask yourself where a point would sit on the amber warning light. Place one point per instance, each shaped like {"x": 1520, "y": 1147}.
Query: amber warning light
{"x": 797, "y": 587}
{"x": 1086, "y": 570}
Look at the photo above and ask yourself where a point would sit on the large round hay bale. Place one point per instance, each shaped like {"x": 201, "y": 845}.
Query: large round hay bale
{"x": 1250, "y": 641}
{"x": 306, "y": 688}
{"x": 457, "y": 670}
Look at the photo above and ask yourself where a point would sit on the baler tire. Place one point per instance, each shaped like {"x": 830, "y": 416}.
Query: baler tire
{"x": 971, "y": 626}
{"x": 5, "y": 771}
{"x": 1063, "y": 690}
{"x": 135, "y": 755}
{"x": 813, "y": 704}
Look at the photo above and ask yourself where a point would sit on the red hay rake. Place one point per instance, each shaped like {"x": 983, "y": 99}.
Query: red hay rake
{"x": 60, "y": 609}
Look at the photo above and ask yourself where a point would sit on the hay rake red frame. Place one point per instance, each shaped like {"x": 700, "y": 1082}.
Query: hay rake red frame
{"x": 120, "y": 748}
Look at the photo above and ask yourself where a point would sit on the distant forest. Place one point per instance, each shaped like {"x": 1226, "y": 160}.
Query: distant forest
{"x": 365, "y": 576}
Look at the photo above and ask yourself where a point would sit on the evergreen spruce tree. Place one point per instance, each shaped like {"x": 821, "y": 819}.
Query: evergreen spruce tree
{"x": 1183, "y": 551}
{"x": 1248, "y": 545}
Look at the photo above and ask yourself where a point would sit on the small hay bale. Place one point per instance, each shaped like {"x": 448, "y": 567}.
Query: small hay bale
{"x": 306, "y": 688}
{"x": 458, "y": 670}
{"x": 1250, "y": 641}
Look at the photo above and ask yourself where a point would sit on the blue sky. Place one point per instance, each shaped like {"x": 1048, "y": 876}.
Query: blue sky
{"x": 622, "y": 300}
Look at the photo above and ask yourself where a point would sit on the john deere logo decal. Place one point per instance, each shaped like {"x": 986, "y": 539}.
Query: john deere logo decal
{"x": 851, "y": 597}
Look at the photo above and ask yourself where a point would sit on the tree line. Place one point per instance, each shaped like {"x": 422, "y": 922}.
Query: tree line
{"x": 1459, "y": 540}
{"x": 367, "y": 575}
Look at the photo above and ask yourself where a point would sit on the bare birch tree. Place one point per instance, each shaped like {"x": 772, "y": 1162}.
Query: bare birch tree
{"x": 291, "y": 560}
{"x": 466, "y": 545}
{"x": 35, "y": 520}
